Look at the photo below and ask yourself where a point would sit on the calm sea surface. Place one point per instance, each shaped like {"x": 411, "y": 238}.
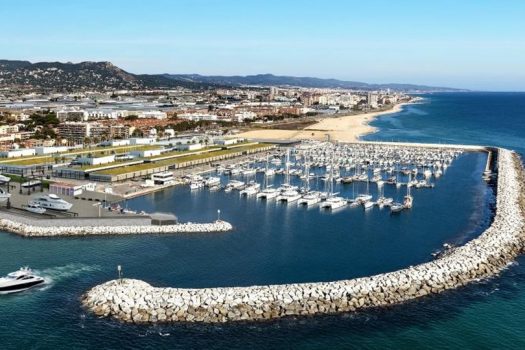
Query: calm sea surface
{"x": 275, "y": 243}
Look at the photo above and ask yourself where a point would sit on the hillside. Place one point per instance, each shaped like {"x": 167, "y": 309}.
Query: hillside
{"x": 58, "y": 76}
{"x": 275, "y": 80}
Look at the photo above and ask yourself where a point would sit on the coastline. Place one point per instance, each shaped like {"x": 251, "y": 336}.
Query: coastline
{"x": 344, "y": 128}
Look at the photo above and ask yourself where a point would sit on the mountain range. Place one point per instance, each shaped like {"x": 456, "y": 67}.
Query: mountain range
{"x": 58, "y": 76}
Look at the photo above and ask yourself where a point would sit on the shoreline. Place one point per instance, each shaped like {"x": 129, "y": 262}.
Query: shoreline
{"x": 343, "y": 128}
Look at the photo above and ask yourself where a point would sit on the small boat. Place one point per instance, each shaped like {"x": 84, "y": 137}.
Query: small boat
{"x": 368, "y": 204}
{"x": 31, "y": 183}
{"x": 4, "y": 196}
{"x": 397, "y": 207}
{"x": 212, "y": 181}
{"x": 19, "y": 281}
{"x": 34, "y": 208}
{"x": 195, "y": 185}
{"x": 4, "y": 179}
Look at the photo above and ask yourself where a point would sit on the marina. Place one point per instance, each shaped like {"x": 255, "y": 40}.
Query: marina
{"x": 322, "y": 173}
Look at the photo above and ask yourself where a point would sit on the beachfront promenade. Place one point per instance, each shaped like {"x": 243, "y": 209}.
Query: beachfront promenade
{"x": 136, "y": 301}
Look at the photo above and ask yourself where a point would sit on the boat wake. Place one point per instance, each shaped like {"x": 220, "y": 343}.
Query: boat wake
{"x": 53, "y": 275}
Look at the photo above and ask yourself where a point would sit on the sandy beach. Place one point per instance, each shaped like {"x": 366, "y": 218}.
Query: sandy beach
{"x": 347, "y": 128}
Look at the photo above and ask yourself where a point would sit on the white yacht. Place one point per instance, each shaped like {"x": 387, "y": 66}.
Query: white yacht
{"x": 195, "y": 185}
{"x": 235, "y": 184}
{"x": 269, "y": 172}
{"x": 368, "y": 204}
{"x": 34, "y": 208}
{"x": 334, "y": 202}
{"x": 248, "y": 171}
{"x": 310, "y": 198}
{"x": 4, "y": 196}
{"x": 290, "y": 195}
{"x": 4, "y": 178}
{"x": 268, "y": 193}
{"x": 18, "y": 281}
{"x": 363, "y": 198}
{"x": 212, "y": 181}
{"x": 397, "y": 207}
{"x": 163, "y": 179}
{"x": 250, "y": 189}
{"x": 51, "y": 201}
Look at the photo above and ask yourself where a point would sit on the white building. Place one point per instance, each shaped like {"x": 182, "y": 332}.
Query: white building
{"x": 96, "y": 160}
{"x": 147, "y": 153}
{"x": 15, "y": 153}
{"x": 141, "y": 141}
{"x": 50, "y": 150}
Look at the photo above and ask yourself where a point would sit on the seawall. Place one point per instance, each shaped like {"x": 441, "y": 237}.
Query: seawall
{"x": 136, "y": 301}
{"x": 85, "y": 227}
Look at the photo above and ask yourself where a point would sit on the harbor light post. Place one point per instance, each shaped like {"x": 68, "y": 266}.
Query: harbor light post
{"x": 119, "y": 270}
{"x": 218, "y": 215}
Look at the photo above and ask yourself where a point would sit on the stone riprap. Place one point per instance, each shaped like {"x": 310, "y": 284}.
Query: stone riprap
{"x": 136, "y": 301}
{"x": 85, "y": 229}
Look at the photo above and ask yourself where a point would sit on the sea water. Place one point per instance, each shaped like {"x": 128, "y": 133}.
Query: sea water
{"x": 274, "y": 243}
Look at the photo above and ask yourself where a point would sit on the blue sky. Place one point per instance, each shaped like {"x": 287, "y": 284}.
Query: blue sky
{"x": 477, "y": 44}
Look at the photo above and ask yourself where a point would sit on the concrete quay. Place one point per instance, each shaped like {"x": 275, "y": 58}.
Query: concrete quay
{"x": 136, "y": 301}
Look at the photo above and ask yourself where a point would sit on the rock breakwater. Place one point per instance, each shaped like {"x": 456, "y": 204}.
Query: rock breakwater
{"x": 136, "y": 301}
{"x": 85, "y": 229}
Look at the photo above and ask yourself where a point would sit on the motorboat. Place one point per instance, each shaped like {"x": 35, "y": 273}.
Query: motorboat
{"x": 19, "y": 281}
{"x": 34, "y": 208}
{"x": 397, "y": 207}
{"x": 4, "y": 196}
{"x": 51, "y": 201}
{"x": 4, "y": 179}
{"x": 30, "y": 184}
{"x": 195, "y": 185}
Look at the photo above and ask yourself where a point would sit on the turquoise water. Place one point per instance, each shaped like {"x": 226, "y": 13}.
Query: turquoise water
{"x": 278, "y": 244}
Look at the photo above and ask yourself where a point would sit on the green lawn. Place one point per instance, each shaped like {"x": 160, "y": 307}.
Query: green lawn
{"x": 178, "y": 160}
{"x": 96, "y": 151}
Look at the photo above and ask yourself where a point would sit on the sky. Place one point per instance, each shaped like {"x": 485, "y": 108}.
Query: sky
{"x": 473, "y": 44}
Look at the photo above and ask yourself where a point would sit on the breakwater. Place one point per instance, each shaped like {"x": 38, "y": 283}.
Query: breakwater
{"x": 136, "y": 301}
{"x": 91, "y": 228}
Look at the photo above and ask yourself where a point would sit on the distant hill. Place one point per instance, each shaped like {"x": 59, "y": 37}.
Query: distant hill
{"x": 309, "y": 82}
{"x": 58, "y": 76}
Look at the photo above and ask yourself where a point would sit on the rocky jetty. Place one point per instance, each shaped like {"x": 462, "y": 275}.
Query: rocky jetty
{"x": 84, "y": 229}
{"x": 136, "y": 301}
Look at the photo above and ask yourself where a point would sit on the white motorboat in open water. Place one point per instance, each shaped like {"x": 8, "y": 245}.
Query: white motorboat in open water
{"x": 19, "y": 281}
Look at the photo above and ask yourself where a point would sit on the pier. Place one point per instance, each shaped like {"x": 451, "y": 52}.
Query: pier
{"x": 136, "y": 301}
